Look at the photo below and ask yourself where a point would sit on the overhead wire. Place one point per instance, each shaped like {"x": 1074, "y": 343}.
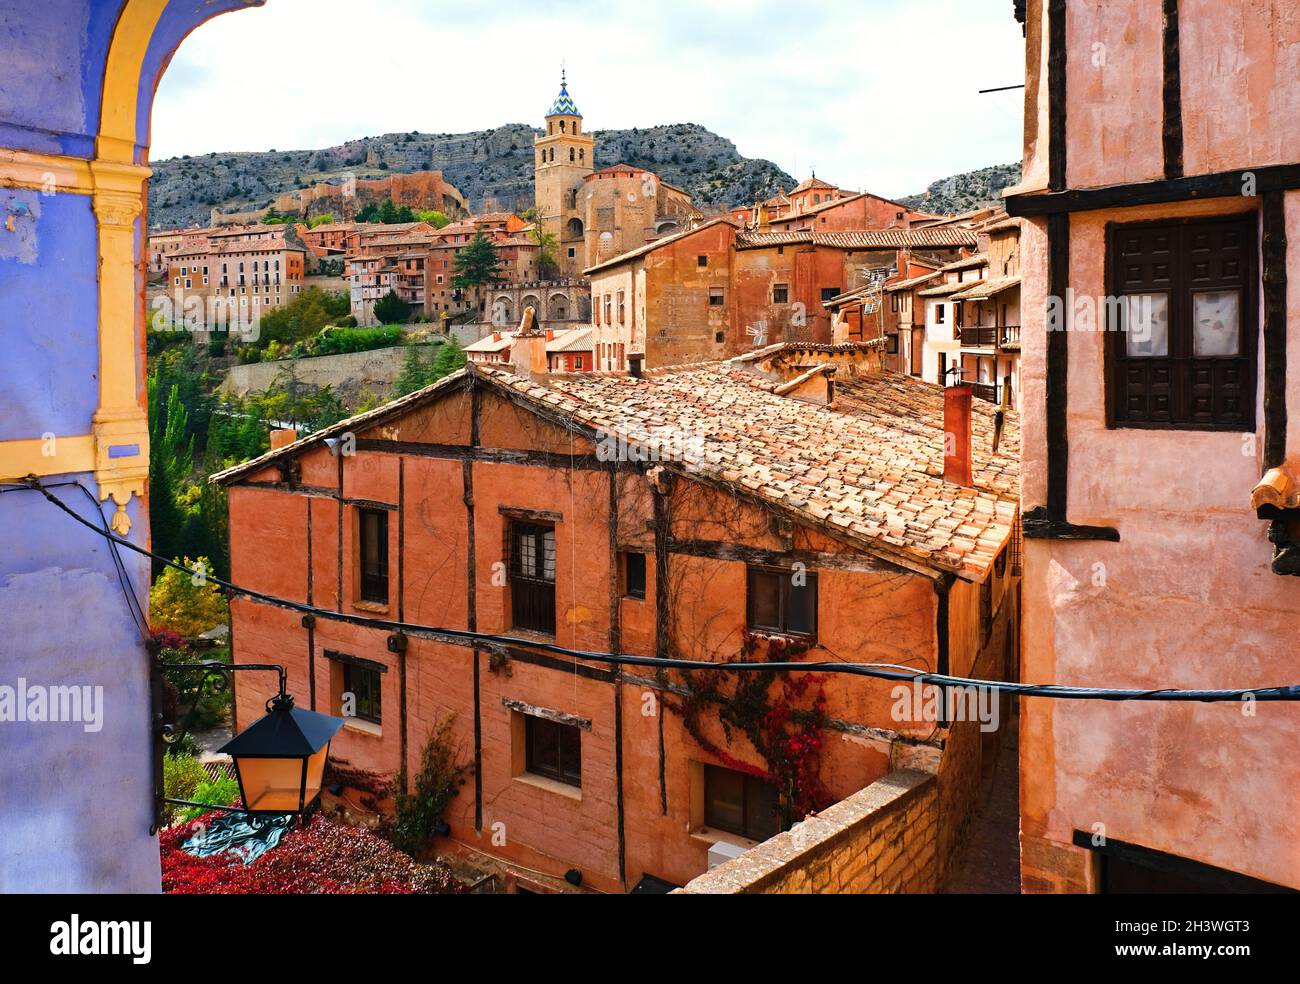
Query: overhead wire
{"x": 880, "y": 671}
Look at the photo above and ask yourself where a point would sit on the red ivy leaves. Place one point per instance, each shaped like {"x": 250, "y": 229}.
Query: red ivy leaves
{"x": 326, "y": 858}
{"x": 786, "y": 731}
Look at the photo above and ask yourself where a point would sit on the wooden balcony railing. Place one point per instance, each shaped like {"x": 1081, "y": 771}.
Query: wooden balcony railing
{"x": 990, "y": 336}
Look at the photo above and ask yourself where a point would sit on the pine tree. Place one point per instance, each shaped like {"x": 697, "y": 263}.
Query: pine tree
{"x": 450, "y": 359}
{"x": 391, "y": 309}
{"x": 414, "y": 372}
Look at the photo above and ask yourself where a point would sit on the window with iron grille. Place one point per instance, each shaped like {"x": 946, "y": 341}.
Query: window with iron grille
{"x": 740, "y": 804}
{"x": 374, "y": 555}
{"x": 553, "y": 750}
{"x": 1181, "y": 349}
{"x": 532, "y": 576}
{"x": 782, "y": 601}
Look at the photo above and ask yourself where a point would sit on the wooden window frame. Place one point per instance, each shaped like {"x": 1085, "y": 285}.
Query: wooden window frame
{"x": 372, "y": 587}
{"x": 539, "y": 729}
{"x": 748, "y": 828}
{"x": 1181, "y": 328}
{"x": 784, "y": 579}
{"x": 529, "y": 595}
{"x": 627, "y": 590}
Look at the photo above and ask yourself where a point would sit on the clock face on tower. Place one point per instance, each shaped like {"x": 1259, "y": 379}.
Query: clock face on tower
{"x": 1216, "y": 323}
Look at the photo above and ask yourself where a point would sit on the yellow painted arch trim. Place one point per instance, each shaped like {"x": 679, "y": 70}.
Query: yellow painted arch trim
{"x": 131, "y": 37}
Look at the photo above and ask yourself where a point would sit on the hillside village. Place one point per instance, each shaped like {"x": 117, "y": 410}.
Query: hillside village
{"x": 556, "y": 510}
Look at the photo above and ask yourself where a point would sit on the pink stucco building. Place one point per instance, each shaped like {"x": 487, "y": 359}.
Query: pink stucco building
{"x": 1160, "y": 190}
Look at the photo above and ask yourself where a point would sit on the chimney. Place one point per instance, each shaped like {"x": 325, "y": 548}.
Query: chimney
{"x": 282, "y": 438}
{"x": 957, "y": 434}
{"x": 634, "y": 362}
{"x": 528, "y": 349}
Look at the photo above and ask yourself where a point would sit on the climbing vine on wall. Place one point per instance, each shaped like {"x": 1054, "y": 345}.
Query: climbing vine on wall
{"x": 782, "y": 714}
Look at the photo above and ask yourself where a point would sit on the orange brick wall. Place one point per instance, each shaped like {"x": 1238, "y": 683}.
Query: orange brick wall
{"x": 873, "y": 614}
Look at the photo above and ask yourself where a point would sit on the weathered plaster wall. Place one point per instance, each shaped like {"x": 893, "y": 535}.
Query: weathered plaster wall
{"x": 1185, "y": 600}
{"x": 76, "y": 86}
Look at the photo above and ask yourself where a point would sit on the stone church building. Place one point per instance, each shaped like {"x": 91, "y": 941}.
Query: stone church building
{"x": 597, "y": 215}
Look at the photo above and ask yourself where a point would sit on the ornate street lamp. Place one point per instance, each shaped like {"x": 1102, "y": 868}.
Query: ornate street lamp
{"x": 279, "y": 759}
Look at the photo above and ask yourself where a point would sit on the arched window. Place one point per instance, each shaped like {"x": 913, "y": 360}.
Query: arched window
{"x": 563, "y": 127}
{"x": 571, "y": 155}
{"x": 582, "y": 156}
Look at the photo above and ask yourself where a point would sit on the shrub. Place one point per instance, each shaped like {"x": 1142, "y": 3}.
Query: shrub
{"x": 182, "y": 776}
{"x": 222, "y": 792}
{"x": 341, "y": 341}
{"x": 437, "y": 783}
{"x": 187, "y": 604}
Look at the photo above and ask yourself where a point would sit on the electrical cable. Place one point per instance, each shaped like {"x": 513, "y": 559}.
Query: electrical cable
{"x": 880, "y": 671}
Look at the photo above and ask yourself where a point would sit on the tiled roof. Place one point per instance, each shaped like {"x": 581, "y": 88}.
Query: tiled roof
{"x": 966, "y": 263}
{"x": 651, "y": 247}
{"x": 867, "y": 470}
{"x": 913, "y": 282}
{"x": 573, "y": 340}
{"x": 943, "y": 290}
{"x": 939, "y": 238}
{"x": 758, "y": 240}
{"x": 984, "y": 289}
{"x": 492, "y": 343}
{"x": 811, "y": 183}
{"x": 864, "y": 239}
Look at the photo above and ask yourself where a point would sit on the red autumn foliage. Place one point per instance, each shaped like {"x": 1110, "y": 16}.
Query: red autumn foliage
{"x": 325, "y": 858}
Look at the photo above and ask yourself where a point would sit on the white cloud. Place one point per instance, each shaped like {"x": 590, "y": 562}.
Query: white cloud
{"x": 880, "y": 95}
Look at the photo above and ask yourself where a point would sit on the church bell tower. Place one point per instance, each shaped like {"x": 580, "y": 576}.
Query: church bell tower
{"x": 564, "y": 156}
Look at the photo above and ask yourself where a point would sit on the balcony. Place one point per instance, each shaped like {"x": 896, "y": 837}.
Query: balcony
{"x": 991, "y": 337}
{"x": 986, "y": 391}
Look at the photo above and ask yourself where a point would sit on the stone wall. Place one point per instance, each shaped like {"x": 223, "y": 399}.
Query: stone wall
{"x": 374, "y": 370}
{"x": 881, "y": 840}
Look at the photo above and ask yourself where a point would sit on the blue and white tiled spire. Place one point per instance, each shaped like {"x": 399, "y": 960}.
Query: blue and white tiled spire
{"x": 564, "y": 104}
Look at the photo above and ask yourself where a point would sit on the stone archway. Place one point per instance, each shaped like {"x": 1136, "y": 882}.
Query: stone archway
{"x": 558, "y": 308}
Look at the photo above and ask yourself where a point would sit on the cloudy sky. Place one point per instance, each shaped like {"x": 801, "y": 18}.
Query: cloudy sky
{"x": 873, "y": 94}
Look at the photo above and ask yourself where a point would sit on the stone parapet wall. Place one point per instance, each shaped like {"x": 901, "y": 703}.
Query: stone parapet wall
{"x": 880, "y": 840}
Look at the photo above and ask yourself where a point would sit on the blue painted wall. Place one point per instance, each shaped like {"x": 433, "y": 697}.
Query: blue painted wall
{"x": 75, "y": 804}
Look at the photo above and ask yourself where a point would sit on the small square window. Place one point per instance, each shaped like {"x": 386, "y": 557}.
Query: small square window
{"x": 717, "y": 297}
{"x": 702, "y": 261}
{"x": 782, "y": 601}
{"x": 781, "y": 294}
{"x": 740, "y": 804}
{"x": 553, "y": 750}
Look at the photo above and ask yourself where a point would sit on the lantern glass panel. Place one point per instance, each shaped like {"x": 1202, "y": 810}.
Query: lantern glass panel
{"x": 271, "y": 785}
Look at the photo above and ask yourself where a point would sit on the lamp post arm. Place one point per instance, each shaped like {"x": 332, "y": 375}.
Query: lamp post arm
{"x": 165, "y": 734}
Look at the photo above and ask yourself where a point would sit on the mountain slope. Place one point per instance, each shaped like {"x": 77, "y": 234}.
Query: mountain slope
{"x": 490, "y": 167}
{"x": 963, "y": 192}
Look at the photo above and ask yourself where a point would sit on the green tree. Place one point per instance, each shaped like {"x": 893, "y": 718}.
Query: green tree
{"x": 391, "y": 309}
{"x": 548, "y": 251}
{"x": 433, "y": 217}
{"x": 413, "y": 374}
{"x": 171, "y": 457}
{"x": 320, "y": 220}
{"x": 477, "y": 265}
{"x": 450, "y": 358}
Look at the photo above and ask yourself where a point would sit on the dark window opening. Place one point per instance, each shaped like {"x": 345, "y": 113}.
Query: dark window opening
{"x": 554, "y": 750}
{"x": 532, "y": 577}
{"x": 702, "y": 261}
{"x": 363, "y": 684}
{"x": 634, "y": 575}
{"x": 374, "y": 556}
{"x": 782, "y": 601}
{"x": 740, "y": 804}
{"x": 781, "y": 294}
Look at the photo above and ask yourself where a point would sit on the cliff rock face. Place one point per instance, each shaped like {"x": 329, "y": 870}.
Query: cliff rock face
{"x": 963, "y": 192}
{"x": 491, "y": 168}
